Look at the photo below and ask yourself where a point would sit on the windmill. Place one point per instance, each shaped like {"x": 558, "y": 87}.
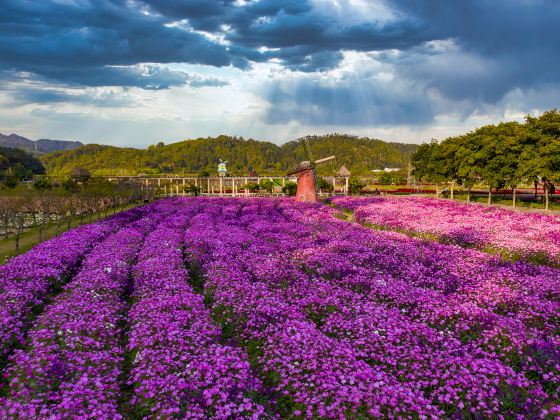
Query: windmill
{"x": 222, "y": 170}
{"x": 307, "y": 175}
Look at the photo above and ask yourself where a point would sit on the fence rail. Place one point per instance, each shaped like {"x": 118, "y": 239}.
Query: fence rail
{"x": 221, "y": 186}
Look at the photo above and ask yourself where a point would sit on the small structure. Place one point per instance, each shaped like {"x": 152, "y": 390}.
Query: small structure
{"x": 343, "y": 171}
{"x": 80, "y": 174}
{"x": 307, "y": 176}
{"x": 386, "y": 170}
{"x": 222, "y": 170}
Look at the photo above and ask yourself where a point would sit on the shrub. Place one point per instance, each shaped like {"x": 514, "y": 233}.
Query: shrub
{"x": 11, "y": 182}
{"x": 325, "y": 185}
{"x": 42, "y": 184}
{"x": 355, "y": 186}
{"x": 290, "y": 188}
{"x": 267, "y": 185}
{"x": 252, "y": 187}
{"x": 193, "y": 190}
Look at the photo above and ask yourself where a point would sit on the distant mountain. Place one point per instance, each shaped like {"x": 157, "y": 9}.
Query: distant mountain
{"x": 359, "y": 154}
{"x": 39, "y": 146}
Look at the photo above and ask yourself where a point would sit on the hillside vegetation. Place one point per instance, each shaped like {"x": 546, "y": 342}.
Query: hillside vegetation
{"x": 18, "y": 164}
{"x": 359, "y": 155}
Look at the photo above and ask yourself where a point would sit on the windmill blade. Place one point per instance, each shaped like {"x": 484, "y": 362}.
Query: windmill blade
{"x": 307, "y": 148}
{"x": 325, "y": 159}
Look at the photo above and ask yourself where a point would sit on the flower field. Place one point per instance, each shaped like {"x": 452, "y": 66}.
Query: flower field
{"x": 260, "y": 308}
{"x": 527, "y": 235}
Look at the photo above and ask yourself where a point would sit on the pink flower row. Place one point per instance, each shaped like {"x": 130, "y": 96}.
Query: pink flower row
{"x": 522, "y": 233}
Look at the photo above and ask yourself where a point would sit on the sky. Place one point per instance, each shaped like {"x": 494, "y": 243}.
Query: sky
{"x": 135, "y": 72}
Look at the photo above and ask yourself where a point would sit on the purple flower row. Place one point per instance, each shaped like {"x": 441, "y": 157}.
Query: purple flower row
{"x": 301, "y": 313}
{"x": 274, "y": 276}
{"x": 493, "y": 307}
{"x": 26, "y": 280}
{"x": 310, "y": 373}
{"x": 179, "y": 367}
{"x": 73, "y": 359}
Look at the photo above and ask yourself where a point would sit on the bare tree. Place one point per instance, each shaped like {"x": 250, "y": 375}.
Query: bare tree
{"x": 6, "y": 210}
{"x": 19, "y": 212}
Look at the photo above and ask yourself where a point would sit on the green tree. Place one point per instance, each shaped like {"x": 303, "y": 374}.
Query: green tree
{"x": 355, "y": 185}
{"x": 428, "y": 162}
{"x": 324, "y": 185}
{"x": 290, "y": 188}
{"x": 267, "y": 185}
{"x": 42, "y": 184}
{"x": 540, "y": 157}
{"x": 385, "y": 178}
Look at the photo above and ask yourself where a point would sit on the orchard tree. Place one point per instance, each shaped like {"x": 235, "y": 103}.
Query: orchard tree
{"x": 541, "y": 152}
{"x": 429, "y": 165}
{"x": 450, "y": 163}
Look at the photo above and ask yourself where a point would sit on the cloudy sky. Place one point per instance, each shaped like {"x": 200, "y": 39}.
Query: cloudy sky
{"x": 134, "y": 72}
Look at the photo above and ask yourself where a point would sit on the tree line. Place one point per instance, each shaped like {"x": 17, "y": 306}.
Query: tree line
{"x": 499, "y": 156}
{"x": 59, "y": 205}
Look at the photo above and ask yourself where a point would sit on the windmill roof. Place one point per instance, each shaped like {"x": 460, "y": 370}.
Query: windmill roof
{"x": 343, "y": 171}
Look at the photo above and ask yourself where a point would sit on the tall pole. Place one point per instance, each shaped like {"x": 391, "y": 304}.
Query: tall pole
{"x": 408, "y": 178}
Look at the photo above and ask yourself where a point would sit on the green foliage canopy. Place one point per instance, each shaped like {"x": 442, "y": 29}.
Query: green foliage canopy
{"x": 359, "y": 154}
{"x": 505, "y": 154}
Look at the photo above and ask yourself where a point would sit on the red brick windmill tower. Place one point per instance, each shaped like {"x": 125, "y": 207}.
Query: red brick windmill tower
{"x": 307, "y": 175}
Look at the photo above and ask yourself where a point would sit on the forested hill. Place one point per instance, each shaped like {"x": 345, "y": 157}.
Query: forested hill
{"x": 18, "y": 163}
{"x": 358, "y": 154}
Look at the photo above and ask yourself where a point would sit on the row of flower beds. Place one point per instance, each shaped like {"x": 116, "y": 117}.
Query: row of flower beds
{"x": 72, "y": 357}
{"x": 179, "y": 367}
{"x": 531, "y": 236}
{"x": 335, "y": 325}
{"x": 28, "y": 279}
{"x": 71, "y": 364}
{"x": 261, "y": 308}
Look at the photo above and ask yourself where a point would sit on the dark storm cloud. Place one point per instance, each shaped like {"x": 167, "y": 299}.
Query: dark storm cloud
{"x": 75, "y": 43}
{"x": 492, "y": 47}
{"x": 48, "y": 96}
{"x": 307, "y": 39}
{"x": 500, "y": 46}
{"x": 514, "y": 44}
{"x": 63, "y": 40}
{"x": 149, "y": 77}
